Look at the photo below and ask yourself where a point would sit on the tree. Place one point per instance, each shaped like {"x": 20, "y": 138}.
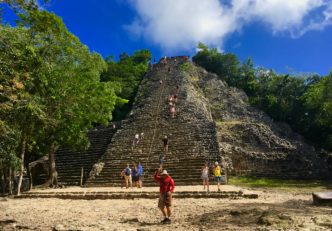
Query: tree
{"x": 9, "y": 162}
{"x": 75, "y": 98}
{"x": 248, "y": 80}
{"x": 20, "y": 109}
{"x": 50, "y": 84}
{"x": 141, "y": 57}
{"x": 127, "y": 75}
{"x": 318, "y": 102}
{"x": 226, "y": 65}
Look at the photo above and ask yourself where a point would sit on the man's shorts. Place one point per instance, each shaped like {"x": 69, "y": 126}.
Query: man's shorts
{"x": 205, "y": 178}
{"x": 135, "y": 178}
{"x": 165, "y": 200}
{"x": 128, "y": 179}
{"x": 218, "y": 179}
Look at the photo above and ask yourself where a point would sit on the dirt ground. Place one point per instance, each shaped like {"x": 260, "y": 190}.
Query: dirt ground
{"x": 273, "y": 210}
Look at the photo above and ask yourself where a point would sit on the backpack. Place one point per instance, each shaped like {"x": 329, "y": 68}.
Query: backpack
{"x": 128, "y": 171}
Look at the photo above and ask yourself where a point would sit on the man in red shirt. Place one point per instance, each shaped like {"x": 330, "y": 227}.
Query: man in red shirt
{"x": 166, "y": 190}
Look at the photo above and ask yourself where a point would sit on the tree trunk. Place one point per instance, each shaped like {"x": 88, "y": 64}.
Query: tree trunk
{"x": 26, "y": 163}
{"x": 31, "y": 182}
{"x": 10, "y": 179}
{"x": 82, "y": 173}
{"x": 23, "y": 145}
{"x": 53, "y": 174}
{"x": 3, "y": 178}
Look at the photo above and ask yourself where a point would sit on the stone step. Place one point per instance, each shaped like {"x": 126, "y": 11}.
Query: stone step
{"x": 191, "y": 180}
{"x": 135, "y": 195}
{"x": 69, "y": 163}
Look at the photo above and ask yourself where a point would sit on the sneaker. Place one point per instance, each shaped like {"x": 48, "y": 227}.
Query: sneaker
{"x": 164, "y": 221}
{"x": 219, "y": 190}
{"x": 168, "y": 221}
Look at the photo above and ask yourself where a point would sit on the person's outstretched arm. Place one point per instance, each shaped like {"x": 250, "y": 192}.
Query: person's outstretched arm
{"x": 157, "y": 176}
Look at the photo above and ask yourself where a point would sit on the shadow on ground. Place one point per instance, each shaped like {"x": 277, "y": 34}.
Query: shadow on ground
{"x": 292, "y": 214}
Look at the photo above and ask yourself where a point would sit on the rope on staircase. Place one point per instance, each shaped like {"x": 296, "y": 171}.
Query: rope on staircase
{"x": 156, "y": 119}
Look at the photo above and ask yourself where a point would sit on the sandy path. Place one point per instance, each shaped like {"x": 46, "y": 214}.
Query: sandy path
{"x": 271, "y": 211}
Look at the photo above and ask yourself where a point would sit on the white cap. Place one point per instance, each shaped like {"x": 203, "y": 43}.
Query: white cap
{"x": 164, "y": 172}
{"x": 216, "y": 163}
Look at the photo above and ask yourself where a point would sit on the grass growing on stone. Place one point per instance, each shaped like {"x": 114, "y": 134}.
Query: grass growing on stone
{"x": 282, "y": 184}
{"x": 186, "y": 66}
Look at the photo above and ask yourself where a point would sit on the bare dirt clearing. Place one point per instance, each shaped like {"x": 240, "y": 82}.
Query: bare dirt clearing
{"x": 273, "y": 210}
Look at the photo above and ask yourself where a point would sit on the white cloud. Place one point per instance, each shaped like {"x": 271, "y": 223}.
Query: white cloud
{"x": 181, "y": 24}
{"x": 316, "y": 24}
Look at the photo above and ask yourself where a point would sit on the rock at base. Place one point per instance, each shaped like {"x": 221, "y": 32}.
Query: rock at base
{"x": 322, "y": 198}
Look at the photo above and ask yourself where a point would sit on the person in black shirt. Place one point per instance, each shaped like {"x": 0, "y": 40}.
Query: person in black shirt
{"x": 165, "y": 142}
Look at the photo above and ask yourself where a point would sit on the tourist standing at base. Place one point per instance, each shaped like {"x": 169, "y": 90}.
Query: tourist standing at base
{"x": 123, "y": 181}
{"x": 135, "y": 176}
{"x": 165, "y": 198}
{"x": 217, "y": 174}
{"x": 128, "y": 177}
{"x": 140, "y": 175}
{"x": 205, "y": 176}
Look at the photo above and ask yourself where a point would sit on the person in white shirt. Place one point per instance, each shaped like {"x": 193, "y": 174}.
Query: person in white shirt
{"x": 135, "y": 141}
{"x": 205, "y": 176}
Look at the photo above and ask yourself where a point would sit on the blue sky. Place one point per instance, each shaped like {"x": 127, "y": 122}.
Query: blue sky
{"x": 287, "y": 36}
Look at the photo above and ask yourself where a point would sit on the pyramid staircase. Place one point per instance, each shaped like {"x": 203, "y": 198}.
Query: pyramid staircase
{"x": 192, "y": 133}
{"x": 70, "y": 163}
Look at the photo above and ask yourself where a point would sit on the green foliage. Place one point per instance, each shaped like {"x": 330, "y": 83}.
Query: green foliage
{"x": 70, "y": 86}
{"x": 141, "y": 57}
{"x": 50, "y": 88}
{"x": 127, "y": 75}
{"x": 226, "y": 65}
{"x": 318, "y": 102}
{"x": 281, "y": 184}
{"x": 19, "y": 108}
{"x": 185, "y": 66}
{"x": 303, "y": 102}
{"x": 278, "y": 95}
{"x": 247, "y": 80}
{"x": 8, "y": 146}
